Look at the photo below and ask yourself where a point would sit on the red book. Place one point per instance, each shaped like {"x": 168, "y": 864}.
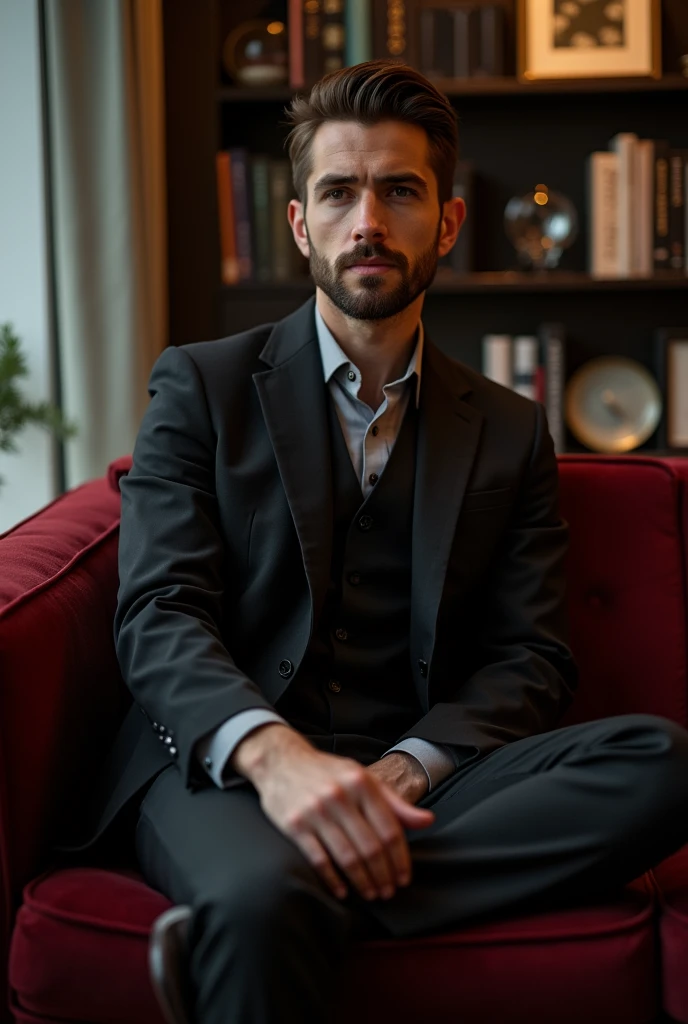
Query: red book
{"x": 229, "y": 272}
{"x": 297, "y": 79}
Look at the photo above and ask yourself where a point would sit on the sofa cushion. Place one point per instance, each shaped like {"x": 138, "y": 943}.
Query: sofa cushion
{"x": 671, "y": 884}
{"x": 79, "y": 953}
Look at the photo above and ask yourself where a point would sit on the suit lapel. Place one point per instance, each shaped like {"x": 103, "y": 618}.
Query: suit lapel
{"x": 448, "y": 434}
{"x": 293, "y": 398}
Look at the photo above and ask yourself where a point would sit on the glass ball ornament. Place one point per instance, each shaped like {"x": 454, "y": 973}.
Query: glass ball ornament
{"x": 256, "y": 53}
{"x": 540, "y": 225}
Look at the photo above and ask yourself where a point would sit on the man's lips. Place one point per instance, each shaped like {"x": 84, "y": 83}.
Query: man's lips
{"x": 371, "y": 267}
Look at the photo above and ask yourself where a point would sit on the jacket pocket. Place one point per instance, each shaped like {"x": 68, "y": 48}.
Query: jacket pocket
{"x": 477, "y": 500}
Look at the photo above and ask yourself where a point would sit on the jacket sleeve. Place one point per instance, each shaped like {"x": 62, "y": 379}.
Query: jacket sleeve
{"x": 173, "y": 569}
{"x": 522, "y": 676}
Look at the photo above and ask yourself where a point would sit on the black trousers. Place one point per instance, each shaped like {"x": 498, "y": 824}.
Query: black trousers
{"x": 558, "y": 819}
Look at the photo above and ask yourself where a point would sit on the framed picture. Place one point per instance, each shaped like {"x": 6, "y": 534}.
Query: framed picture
{"x": 588, "y": 39}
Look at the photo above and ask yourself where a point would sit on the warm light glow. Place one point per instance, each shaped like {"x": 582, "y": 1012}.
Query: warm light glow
{"x": 540, "y": 196}
{"x": 275, "y": 27}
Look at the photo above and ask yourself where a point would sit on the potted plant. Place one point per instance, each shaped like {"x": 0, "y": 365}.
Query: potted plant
{"x": 15, "y": 412}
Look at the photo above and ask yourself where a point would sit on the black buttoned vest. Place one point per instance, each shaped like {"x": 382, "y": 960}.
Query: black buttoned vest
{"x": 353, "y": 693}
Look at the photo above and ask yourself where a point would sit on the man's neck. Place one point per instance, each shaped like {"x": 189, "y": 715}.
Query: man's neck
{"x": 381, "y": 349}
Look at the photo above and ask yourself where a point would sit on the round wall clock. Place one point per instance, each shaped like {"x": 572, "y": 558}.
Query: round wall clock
{"x": 613, "y": 404}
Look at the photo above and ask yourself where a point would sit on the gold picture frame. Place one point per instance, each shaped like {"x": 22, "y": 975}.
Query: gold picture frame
{"x": 560, "y": 39}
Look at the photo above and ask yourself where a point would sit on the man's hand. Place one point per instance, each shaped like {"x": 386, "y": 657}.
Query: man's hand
{"x": 337, "y": 811}
{"x": 402, "y": 773}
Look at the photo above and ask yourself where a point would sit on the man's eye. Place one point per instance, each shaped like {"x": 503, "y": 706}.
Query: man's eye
{"x": 406, "y": 189}
{"x": 334, "y": 193}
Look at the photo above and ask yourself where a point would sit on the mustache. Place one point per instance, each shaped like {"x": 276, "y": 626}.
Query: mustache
{"x": 369, "y": 252}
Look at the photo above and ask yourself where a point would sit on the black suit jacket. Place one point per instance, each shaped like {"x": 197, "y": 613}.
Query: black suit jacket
{"x": 217, "y": 601}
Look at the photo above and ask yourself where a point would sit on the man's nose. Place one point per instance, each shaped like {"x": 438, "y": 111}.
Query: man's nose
{"x": 369, "y": 225}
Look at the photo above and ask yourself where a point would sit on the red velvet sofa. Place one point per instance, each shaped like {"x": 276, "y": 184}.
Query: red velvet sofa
{"x": 75, "y": 938}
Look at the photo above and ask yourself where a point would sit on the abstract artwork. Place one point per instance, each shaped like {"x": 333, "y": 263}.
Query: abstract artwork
{"x": 588, "y": 23}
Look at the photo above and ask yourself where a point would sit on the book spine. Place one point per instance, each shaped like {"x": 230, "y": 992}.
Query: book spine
{"x": 661, "y": 205}
{"x": 333, "y": 35}
{"x": 229, "y": 269}
{"x": 497, "y": 359}
{"x": 297, "y": 76}
{"x": 491, "y": 36}
{"x": 623, "y": 144}
{"x": 466, "y": 41}
{"x": 262, "y": 243}
{"x": 242, "y": 211}
{"x": 645, "y": 151}
{"x": 525, "y": 365}
{"x": 359, "y": 31}
{"x": 603, "y": 211}
{"x": 392, "y": 30}
{"x": 676, "y": 348}
{"x": 553, "y": 351}
{"x": 282, "y": 240}
{"x": 659, "y": 367}
{"x": 677, "y": 205}
{"x": 312, "y": 41}
{"x": 436, "y": 43}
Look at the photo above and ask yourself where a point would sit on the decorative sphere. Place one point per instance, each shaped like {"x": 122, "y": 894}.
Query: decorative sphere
{"x": 540, "y": 225}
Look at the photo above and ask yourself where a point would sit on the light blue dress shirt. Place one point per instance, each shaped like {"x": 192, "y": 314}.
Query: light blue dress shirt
{"x": 370, "y": 437}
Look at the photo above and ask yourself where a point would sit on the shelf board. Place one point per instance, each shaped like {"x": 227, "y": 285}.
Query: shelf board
{"x": 497, "y": 86}
{"x": 447, "y": 283}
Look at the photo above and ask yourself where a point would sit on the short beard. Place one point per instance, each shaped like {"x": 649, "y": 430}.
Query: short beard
{"x": 372, "y": 302}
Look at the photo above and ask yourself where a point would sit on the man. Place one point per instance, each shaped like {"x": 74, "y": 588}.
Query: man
{"x": 342, "y": 609}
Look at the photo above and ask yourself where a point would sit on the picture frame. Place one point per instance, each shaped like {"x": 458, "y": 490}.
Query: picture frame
{"x": 569, "y": 39}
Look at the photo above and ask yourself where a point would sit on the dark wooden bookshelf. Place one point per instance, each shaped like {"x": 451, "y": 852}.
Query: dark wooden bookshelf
{"x": 448, "y": 283}
{"x": 503, "y": 86}
{"x": 516, "y": 133}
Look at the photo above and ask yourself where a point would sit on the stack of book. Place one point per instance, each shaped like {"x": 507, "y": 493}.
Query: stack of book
{"x": 256, "y": 241}
{"x": 535, "y": 367}
{"x": 444, "y": 39}
{"x": 637, "y": 211}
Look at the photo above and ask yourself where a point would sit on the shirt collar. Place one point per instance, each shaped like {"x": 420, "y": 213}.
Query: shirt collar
{"x": 333, "y": 357}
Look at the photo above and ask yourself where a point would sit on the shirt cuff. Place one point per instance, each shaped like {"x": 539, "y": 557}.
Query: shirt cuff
{"x": 215, "y": 749}
{"x": 435, "y": 758}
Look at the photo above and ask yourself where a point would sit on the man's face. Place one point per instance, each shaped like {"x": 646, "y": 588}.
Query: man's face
{"x": 373, "y": 229}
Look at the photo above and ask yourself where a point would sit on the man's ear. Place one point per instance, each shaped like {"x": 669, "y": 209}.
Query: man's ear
{"x": 453, "y": 216}
{"x": 297, "y": 220}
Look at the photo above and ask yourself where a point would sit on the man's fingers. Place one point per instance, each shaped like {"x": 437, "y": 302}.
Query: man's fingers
{"x": 368, "y": 843}
{"x": 338, "y": 842}
{"x": 387, "y": 826}
{"x": 314, "y": 852}
{"x": 409, "y": 815}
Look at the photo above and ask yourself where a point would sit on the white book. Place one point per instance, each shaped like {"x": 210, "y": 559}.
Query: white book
{"x": 497, "y": 361}
{"x": 525, "y": 365}
{"x": 623, "y": 144}
{"x": 603, "y": 214}
{"x": 645, "y": 163}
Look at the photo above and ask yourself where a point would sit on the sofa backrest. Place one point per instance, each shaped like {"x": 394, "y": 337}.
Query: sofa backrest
{"x": 626, "y": 573}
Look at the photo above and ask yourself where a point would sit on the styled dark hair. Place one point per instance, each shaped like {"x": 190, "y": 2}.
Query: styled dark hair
{"x": 377, "y": 90}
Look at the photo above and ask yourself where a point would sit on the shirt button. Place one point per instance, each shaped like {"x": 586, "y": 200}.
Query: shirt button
{"x": 365, "y": 522}
{"x": 208, "y": 762}
{"x": 373, "y": 478}
{"x": 376, "y": 431}
{"x": 351, "y": 375}
{"x": 422, "y": 667}
{"x": 341, "y": 634}
{"x": 334, "y": 686}
{"x": 285, "y": 668}
{"x": 354, "y": 579}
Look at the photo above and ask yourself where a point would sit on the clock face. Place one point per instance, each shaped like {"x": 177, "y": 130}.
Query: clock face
{"x": 613, "y": 404}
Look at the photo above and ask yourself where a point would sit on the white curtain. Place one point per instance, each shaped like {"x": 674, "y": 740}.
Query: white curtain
{"x": 106, "y": 170}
